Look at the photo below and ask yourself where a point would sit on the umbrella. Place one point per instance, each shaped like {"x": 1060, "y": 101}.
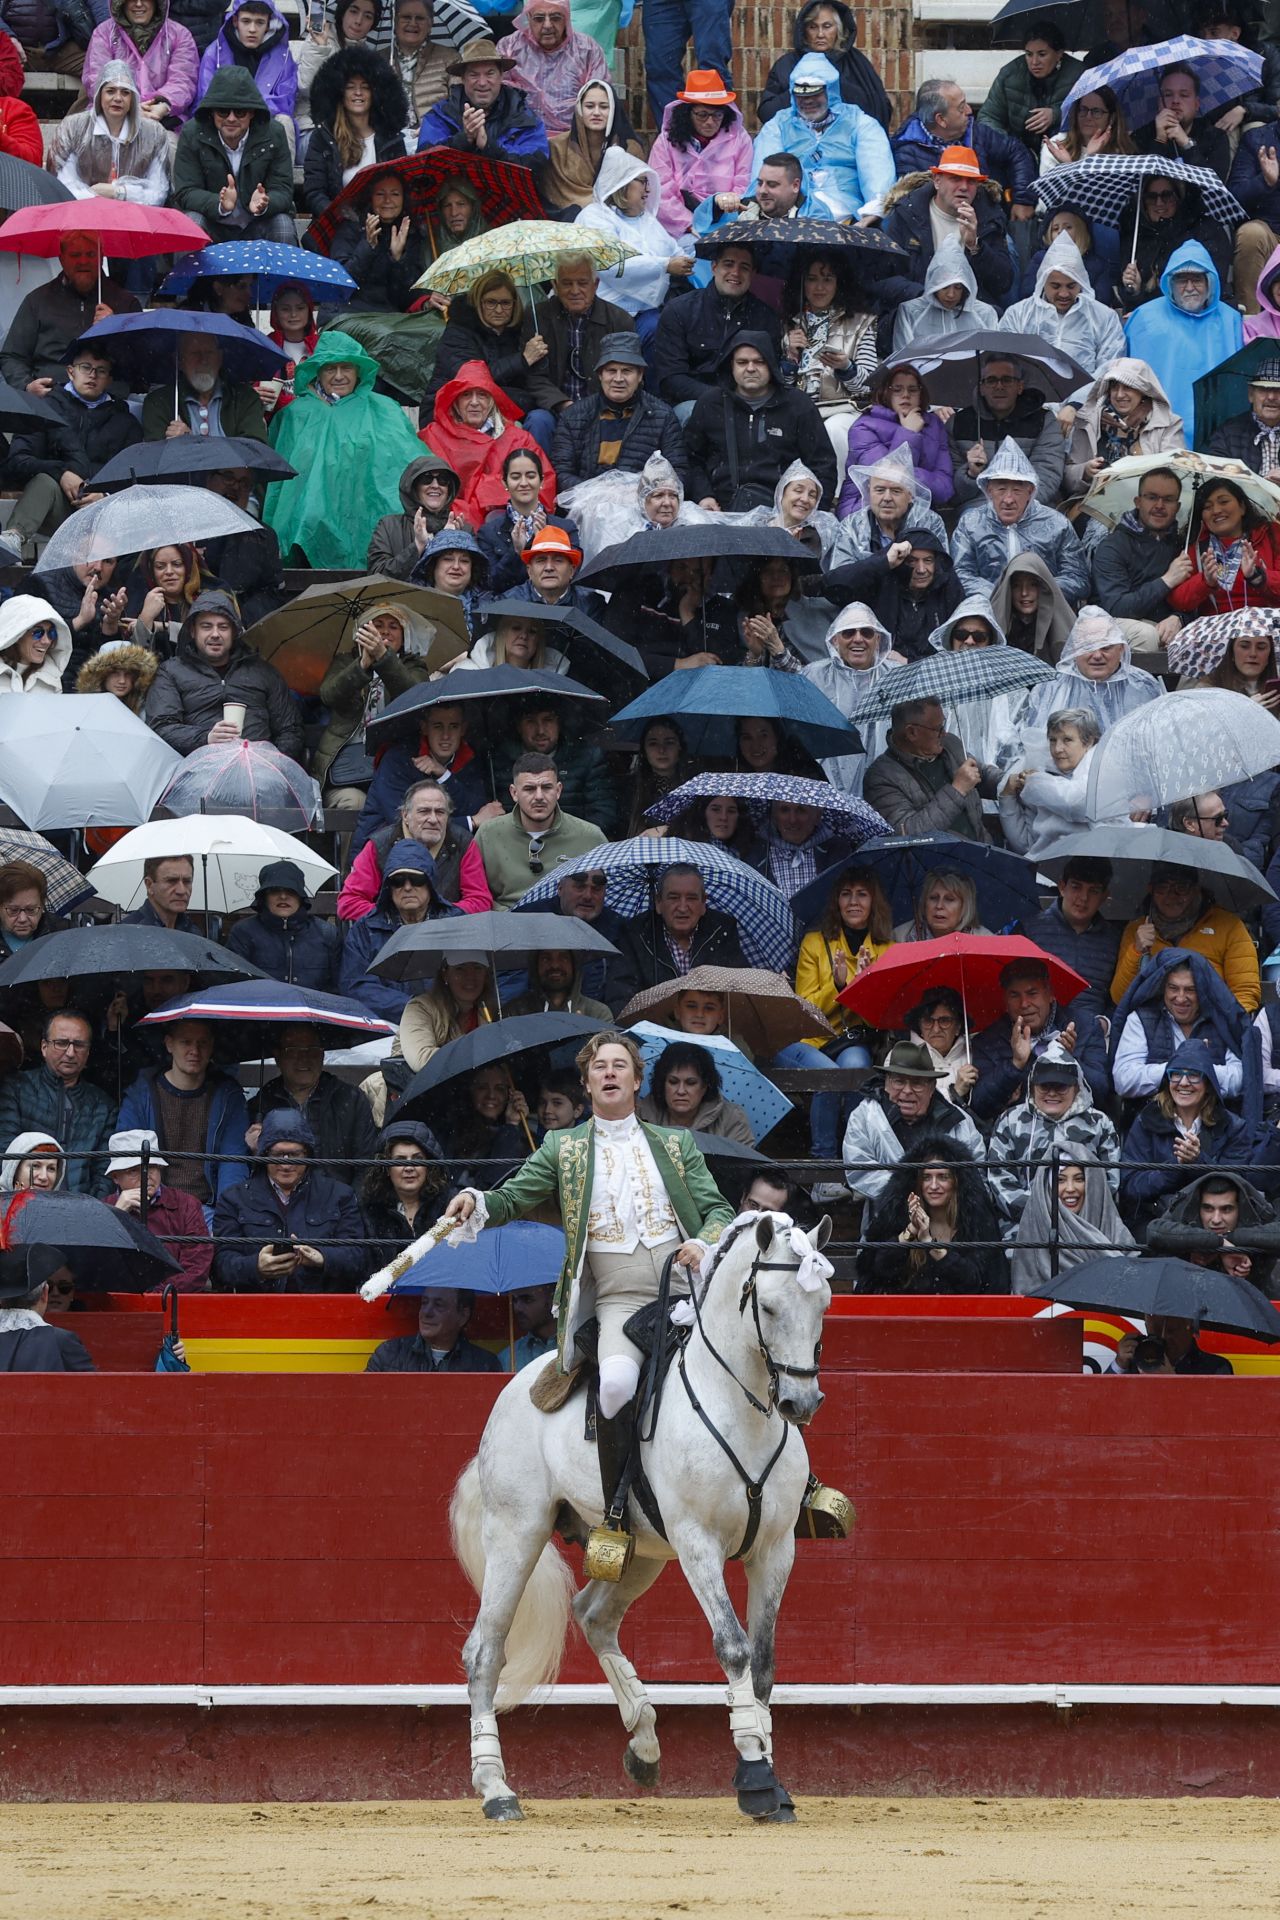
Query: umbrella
{"x": 515, "y": 938}
{"x": 270, "y": 264}
{"x": 1224, "y": 70}
{"x": 65, "y": 888}
{"x": 714, "y": 541}
{"x": 524, "y": 1253}
{"x": 505, "y": 191}
{"x": 594, "y": 655}
{"x": 1167, "y": 1287}
{"x": 125, "y": 229}
{"x": 766, "y": 929}
{"x": 18, "y": 408}
{"x": 1197, "y": 741}
{"x": 246, "y": 1011}
{"x": 1115, "y": 491}
{"x": 247, "y": 777}
{"x": 144, "y": 345}
{"x": 88, "y": 762}
{"x": 708, "y": 702}
{"x": 842, "y": 813}
{"x": 972, "y": 963}
{"x": 528, "y": 250}
{"x": 115, "y": 951}
{"x": 1224, "y": 391}
{"x": 1006, "y": 883}
{"x": 975, "y": 673}
{"x": 402, "y": 719}
{"x": 871, "y": 247}
{"x": 716, "y": 1146}
{"x": 22, "y": 185}
{"x": 1103, "y": 185}
{"x": 1202, "y": 646}
{"x": 189, "y": 457}
{"x": 505, "y": 1040}
{"x": 108, "y": 1251}
{"x": 1081, "y": 22}
{"x": 304, "y": 638}
{"x": 228, "y": 854}
{"x": 740, "y": 1082}
{"x": 139, "y": 519}
{"x": 953, "y": 364}
{"x": 1133, "y": 850}
{"x": 761, "y": 1011}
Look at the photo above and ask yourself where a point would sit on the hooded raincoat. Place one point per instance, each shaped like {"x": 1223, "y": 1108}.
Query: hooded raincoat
{"x": 1265, "y": 323}
{"x": 1178, "y": 346}
{"x": 820, "y": 530}
{"x": 847, "y": 159}
{"x": 553, "y": 81}
{"x": 1088, "y": 331}
{"x": 860, "y": 532}
{"x": 1098, "y": 434}
{"x": 188, "y": 693}
{"x": 162, "y": 58}
{"x": 983, "y": 546}
{"x": 1053, "y": 618}
{"x": 1127, "y": 689}
{"x": 392, "y": 549}
{"x": 17, "y": 616}
{"x": 988, "y": 726}
{"x": 348, "y": 455}
{"x": 924, "y": 319}
{"x": 84, "y": 152}
{"x": 641, "y": 283}
{"x": 737, "y": 450}
{"x": 1145, "y": 1036}
{"x": 691, "y": 174}
{"x": 272, "y": 63}
{"x": 1052, "y": 1239}
{"x": 846, "y": 686}
{"x": 368, "y": 936}
{"x": 1224, "y": 1140}
{"x": 475, "y": 455}
{"x": 1028, "y": 1138}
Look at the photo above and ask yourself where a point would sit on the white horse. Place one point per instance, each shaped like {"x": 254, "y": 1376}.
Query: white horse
{"x": 729, "y": 1474}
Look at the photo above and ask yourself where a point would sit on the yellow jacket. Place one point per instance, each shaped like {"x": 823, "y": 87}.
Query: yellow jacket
{"x": 1220, "y": 936}
{"x": 815, "y": 977}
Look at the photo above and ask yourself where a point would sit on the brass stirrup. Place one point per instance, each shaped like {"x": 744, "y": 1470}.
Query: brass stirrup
{"x": 608, "y": 1552}
{"x": 825, "y": 1513}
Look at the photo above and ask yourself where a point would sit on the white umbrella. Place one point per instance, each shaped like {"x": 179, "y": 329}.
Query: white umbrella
{"x": 139, "y": 519}
{"x": 228, "y": 852}
{"x": 1182, "y": 744}
{"x": 1115, "y": 491}
{"x": 84, "y": 760}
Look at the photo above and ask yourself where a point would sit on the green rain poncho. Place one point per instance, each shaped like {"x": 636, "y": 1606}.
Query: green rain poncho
{"x": 349, "y": 455}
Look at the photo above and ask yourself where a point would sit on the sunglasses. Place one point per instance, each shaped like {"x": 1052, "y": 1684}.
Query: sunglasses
{"x": 978, "y": 634}
{"x": 43, "y": 633}
{"x": 401, "y": 880}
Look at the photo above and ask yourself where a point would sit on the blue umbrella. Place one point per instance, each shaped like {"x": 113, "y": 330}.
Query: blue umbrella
{"x": 502, "y": 1260}
{"x": 707, "y": 703}
{"x": 1006, "y": 883}
{"x": 141, "y": 343}
{"x": 759, "y": 1099}
{"x": 271, "y": 265}
{"x": 844, "y": 813}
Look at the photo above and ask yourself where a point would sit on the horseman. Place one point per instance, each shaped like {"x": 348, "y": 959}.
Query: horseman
{"x": 630, "y": 1195}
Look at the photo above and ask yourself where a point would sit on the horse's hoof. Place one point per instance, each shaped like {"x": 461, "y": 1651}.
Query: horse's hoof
{"x": 784, "y": 1814}
{"x": 760, "y": 1796}
{"x": 645, "y": 1773}
{"x": 505, "y": 1807}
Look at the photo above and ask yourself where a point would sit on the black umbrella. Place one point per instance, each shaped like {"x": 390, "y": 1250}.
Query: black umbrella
{"x": 502, "y": 1040}
{"x": 1133, "y": 850}
{"x": 116, "y": 951}
{"x": 953, "y": 364}
{"x": 869, "y": 244}
{"x": 190, "y": 457}
{"x": 1172, "y": 1288}
{"x": 402, "y": 720}
{"x": 108, "y": 1251}
{"x": 22, "y": 185}
{"x": 598, "y": 657}
{"x": 1083, "y": 23}
{"x": 516, "y": 937}
{"x": 18, "y": 408}
{"x": 714, "y": 541}
{"x": 715, "y": 1146}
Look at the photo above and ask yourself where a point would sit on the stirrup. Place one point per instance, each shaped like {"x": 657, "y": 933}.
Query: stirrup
{"x": 609, "y": 1550}
{"x": 825, "y": 1513}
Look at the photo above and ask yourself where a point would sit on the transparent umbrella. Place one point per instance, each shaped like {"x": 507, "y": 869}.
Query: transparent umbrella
{"x": 246, "y": 777}
{"x": 1186, "y": 743}
{"x": 142, "y": 518}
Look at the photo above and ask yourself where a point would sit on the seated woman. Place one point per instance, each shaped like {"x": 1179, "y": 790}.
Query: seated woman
{"x": 162, "y": 586}
{"x": 1031, "y": 608}
{"x": 673, "y": 619}
{"x": 486, "y": 326}
{"x": 949, "y": 303}
{"x": 406, "y": 1192}
{"x": 1095, "y": 671}
{"x": 829, "y": 341}
{"x": 359, "y": 110}
{"x": 1236, "y": 554}
{"x": 460, "y": 1000}
{"x": 35, "y": 646}
{"x": 1178, "y": 997}
{"x": 384, "y": 250}
{"x": 946, "y": 903}
{"x": 702, "y": 149}
{"x": 481, "y": 1123}
{"x": 391, "y": 645}
{"x": 1126, "y": 411}
{"x": 624, "y": 204}
{"x": 723, "y": 822}
{"x": 349, "y": 445}
{"x": 1084, "y": 1224}
{"x": 685, "y": 1092}
{"x": 611, "y": 506}
{"x": 925, "y": 1221}
{"x": 1095, "y": 124}
{"x": 777, "y": 625}
{"x": 453, "y": 562}
{"x": 938, "y": 1025}
{"x": 507, "y": 531}
{"x": 854, "y": 931}
{"x": 797, "y": 511}
{"x": 1184, "y": 1129}
{"x": 458, "y": 216}
{"x": 661, "y": 764}
{"x": 119, "y": 668}
{"x": 160, "y": 54}
{"x": 893, "y": 507}
{"x": 1180, "y": 911}
{"x": 32, "y": 1164}
{"x": 899, "y": 416}
{"x": 1248, "y": 666}
{"x": 762, "y": 746}
{"x": 473, "y": 427}
{"x": 351, "y": 24}
{"x": 1038, "y": 808}
{"x": 509, "y": 640}
{"x": 567, "y": 178}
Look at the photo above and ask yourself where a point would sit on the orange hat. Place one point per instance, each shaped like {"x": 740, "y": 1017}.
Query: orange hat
{"x": 554, "y": 540}
{"x": 960, "y": 163}
{"x": 705, "y": 88}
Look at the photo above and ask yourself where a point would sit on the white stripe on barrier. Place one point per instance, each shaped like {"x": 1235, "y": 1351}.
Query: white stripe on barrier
{"x": 679, "y": 1694}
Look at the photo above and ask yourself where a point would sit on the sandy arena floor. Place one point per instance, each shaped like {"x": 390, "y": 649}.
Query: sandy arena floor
{"x": 612, "y": 1860}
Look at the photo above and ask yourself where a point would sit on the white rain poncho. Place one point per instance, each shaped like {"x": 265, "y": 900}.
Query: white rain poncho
{"x": 857, "y": 537}
{"x": 609, "y": 508}
{"x": 1088, "y": 331}
{"x": 1124, "y": 691}
{"x": 641, "y": 283}
{"x": 846, "y": 687}
{"x": 982, "y": 545}
{"x": 988, "y": 726}
{"x": 924, "y": 319}
{"x": 825, "y": 527}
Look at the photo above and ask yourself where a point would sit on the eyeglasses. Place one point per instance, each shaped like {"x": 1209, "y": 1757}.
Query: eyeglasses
{"x": 67, "y": 1046}
{"x": 99, "y": 371}
{"x": 1093, "y": 113}
{"x": 1161, "y": 193}
{"x": 1186, "y": 1079}
{"x": 1000, "y": 379}
{"x": 1161, "y": 499}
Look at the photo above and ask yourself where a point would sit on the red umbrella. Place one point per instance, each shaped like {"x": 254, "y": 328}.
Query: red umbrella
{"x": 505, "y": 192}
{"x": 126, "y": 229}
{"x": 971, "y": 963}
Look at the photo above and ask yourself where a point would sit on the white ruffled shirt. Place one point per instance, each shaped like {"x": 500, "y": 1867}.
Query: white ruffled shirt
{"x": 629, "y": 1204}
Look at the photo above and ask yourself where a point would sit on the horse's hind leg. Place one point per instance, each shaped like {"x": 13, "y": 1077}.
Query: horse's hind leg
{"x": 510, "y": 1557}
{"x": 600, "y": 1609}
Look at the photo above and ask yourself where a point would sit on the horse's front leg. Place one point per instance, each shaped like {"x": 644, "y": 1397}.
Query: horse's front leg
{"x": 768, "y": 1570}
{"x": 600, "y": 1609}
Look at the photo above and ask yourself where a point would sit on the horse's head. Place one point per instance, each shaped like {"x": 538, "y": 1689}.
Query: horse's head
{"x": 787, "y": 1303}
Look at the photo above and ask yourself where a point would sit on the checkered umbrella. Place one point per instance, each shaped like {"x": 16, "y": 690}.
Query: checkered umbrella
{"x": 505, "y": 191}
{"x": 1102, "y": 185}
{"x": 975, "y": 674}
{"x": 843, "y": 813}
{"x": 765, "y": 924}
{"x": 1224, "y": 70}
{"x": 64, "y": 887}
{"x": 1202, "y": 646}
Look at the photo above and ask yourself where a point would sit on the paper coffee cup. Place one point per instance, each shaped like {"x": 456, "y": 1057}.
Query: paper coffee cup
{"x": 234, "y": 716}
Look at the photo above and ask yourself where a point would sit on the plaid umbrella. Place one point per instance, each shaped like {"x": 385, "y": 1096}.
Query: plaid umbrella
{"x": 505, "y": 192}
{"x": 1224, "y": 70}
{"x": 826, "y": 235}
{"x": 954, "y": 364}
{"x": 528, "y": 250}
{"x": 1115, "y": 491}
{"x": 64, "y": 887}
{"x": 1102, "y": 185}
{"x": 977, "y": 673}
{"x": 272, "y": 266}
{"x": 843, "y": 813}
{"x": 1202, "y": 646}
{"x": 762, "y": 1012}
{"x": 766, "y": 928}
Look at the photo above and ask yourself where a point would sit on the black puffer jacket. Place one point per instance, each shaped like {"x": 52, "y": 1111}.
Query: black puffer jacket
{"x": 84, "y": 441}
{"x": 467, "y": 338}
{"x": 652, "y": 428}
{"x": 302, "y": 951}
{"x": 188, "y": 694}
{"x": 737, "y": 452}
{"x": 386, "y": 284}
{"x": 388, "y": 114}
{"x": 910, "y": 619}
{"x": 201, "y": 18}
{"x": 860, "y": 84}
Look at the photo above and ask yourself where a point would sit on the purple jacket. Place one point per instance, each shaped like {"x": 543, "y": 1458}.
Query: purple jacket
{"x": 168, "y": 69}
{"x": 276, "y": 74}
{"x": 877, "y": 432}
{"x": 722, "y": 166}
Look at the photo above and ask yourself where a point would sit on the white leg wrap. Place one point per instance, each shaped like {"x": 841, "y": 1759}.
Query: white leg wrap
{"x": 744, "y": 1720}
{"x": 766, "y": 1728}
{"x": 627, "y": 1689}
{"x": 486, "y": 1752}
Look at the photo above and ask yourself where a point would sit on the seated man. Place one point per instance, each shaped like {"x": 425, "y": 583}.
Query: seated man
{"x": 1186, "y": 910}
{"x": 255, "y": 37}
{"x": 536, "y": 836}
{"x": 1142, "y": 559}
{"x": 1073, "y": 930}
{"x": 483, "y": 112}
{"x": 1161, "y": 1011}
{"x": 196, "y": 1112}
{"x": 1010, "y": 521}
{"x": 232, "y": 169}
{"x": 589, "y": 789}
{"x": 694, "y": 331}
{"x": 288, "y": 1228}
{"x": 553, "y": 61}
{"x": 953, "y": 202}
{"x": 1180, "y": 131}
{"x": 52, "y": 463}
{"x": 176, "y": 1218}
{"x": 556, "y": 987}
{"x": 248, "y": 564}
{"x": 925, "y": 781}
{"x": 1031, "y": 1022}
{"x": 440, "y": 1345}
{"x": 616, "y": 428}
{"x": 284, "y": 937}
{"x": 1065, "y": 310}
{"x": 778, "y": 192}
{"x": 55, "y": 1099}
{"x": 531, "y": 1310}
{"x": 1056, "y": 1118}
{"x": 1220, "y": 1214}
{"x": 211, "y": 670}
{"x": 444, "y": 755}
{"x": 206, "y": 403}
{"x": 27, "y": 1343}
{"x": 407, "y": 896}
{"x": 571, "y": 322}
{"x": 37, "y": 346}
{"x": 895, "y": 1113}
{"x": 1179, "y": 1350}
{"x": 799, "y": 845}
{"x": 168, "y": 881}
{"x": 770, "y": 425}
{"x": 844, "y": 151}
{"x": 1252, "y": 437}
{"x": 688, "y": 934}
{"x": 337, "y": 1112}
{"x": 552, "y": 561}
{"x": 943, "y": 118}
{"x": 1007, "y": 409}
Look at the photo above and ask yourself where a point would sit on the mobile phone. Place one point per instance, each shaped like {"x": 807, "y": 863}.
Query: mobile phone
{"x": 315, "y": 16}
{"x": 280, "y": 1246}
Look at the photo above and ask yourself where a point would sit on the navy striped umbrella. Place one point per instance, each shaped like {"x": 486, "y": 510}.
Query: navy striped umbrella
{"x": 246, "y": 1012}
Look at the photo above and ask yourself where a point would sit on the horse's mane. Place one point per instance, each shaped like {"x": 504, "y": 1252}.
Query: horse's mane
{"x": 744, "y": 1223}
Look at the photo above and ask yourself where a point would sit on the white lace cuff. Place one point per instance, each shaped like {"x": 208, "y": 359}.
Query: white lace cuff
{"x": 468, "y": 1231}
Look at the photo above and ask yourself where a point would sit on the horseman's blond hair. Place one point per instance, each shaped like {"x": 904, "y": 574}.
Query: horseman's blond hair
{"x": 583, "y": 1059}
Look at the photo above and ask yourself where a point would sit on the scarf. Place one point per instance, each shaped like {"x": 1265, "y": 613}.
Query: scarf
{"x": 525, "y": 522}
{"x": 1131, "y": 523}
{"x": 143, "y": 36}
{"x": 1267, "y": 440}
{"x": 1228, "y": 557}
{"x": 1115, "y": 439}
{"x": 1172, "y": 931}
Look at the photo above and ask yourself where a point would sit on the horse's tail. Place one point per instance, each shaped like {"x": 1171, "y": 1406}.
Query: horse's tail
{"x": 535, "y": 1644}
